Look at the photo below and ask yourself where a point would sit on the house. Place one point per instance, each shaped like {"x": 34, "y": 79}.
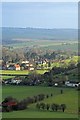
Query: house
{"x": 31, "y": 68}
{"x": 10, "y": 104}
{"x": 16, "y": 81}
{"x": 26, "y": 62}
{"x": 31, "y": 65}
{"x": 11, "y": 67}
{"x": 44, "y": 62}
{"x": 17, "y": 67}
{"x": 72, "y": 84}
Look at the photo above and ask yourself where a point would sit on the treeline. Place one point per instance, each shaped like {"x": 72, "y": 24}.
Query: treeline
{"x": 53, "y": 107}
{"x": 16, "y": 55}
{"x": 49, "y": 78}
{"x": 12, "y": 104}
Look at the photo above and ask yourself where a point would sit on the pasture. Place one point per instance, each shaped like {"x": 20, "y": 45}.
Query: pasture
{"x": 21, "y": 72}
{"x": 47, "y": 45}
{"x": 69, "y": 97}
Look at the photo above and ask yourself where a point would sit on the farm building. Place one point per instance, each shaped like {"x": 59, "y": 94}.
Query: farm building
{"x": 11, "y": 67}
{"x": 31, "y": 68}
{"x": 72, "y": 84}
{"x": 26, "y": 62}
{"x": 17, "y": 67}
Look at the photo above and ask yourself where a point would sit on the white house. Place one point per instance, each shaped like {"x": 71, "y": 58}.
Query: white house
{"x": 26, "y": 62}
{"x": 72, "y": 84}
{"x": 31, "y": 68}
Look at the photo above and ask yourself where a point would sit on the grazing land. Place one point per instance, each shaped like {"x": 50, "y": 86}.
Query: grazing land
{"x": 46, "y": 50}
{"x": 46, "y": 45}
{"x": 23, "y": 72}
{"x": 69, "y": 97}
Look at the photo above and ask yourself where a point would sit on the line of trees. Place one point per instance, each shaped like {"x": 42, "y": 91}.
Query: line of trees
{"x": 53, "y": 107}
{"x": 16, "y": 55}
{"x": 12, "y": 104}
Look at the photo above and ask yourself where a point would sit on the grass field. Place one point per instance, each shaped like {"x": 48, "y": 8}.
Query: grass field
{"x": 22, "y": 72}
{"x": 7, "y": 77}
{"x": 14, "y": 72}
{"x": 69, "y": 97}
{"x": 48, "y": 45}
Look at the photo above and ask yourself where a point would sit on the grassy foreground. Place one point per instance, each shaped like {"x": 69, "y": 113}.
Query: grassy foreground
{"x": 69, "y": 97}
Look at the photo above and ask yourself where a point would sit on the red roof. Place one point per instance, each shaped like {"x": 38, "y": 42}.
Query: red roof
{"x": 17, "y": 66}
{"x": 9, "y": 104}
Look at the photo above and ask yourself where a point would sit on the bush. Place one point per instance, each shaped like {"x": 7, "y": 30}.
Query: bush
{"x": 47, "y": 106}
{"x": 8, "y": 104}
{"x": 61, "y": 91}
{"x": 79, "y": 109}
{"x": 42, "y": 106}
{"x": 9, "y": 109}
{"x": 47, "y": 96}
{"x": 21, "y": 106}
{"x": 38, "y": 105}
{"x": 51, "y": 94}
{"x": 7, "y": 99}
{"x": 63, "y": 107}
{"x": 55, "y": 107}
{"x": 41, "y": 97}
{"x": 35, "y": 98}
{"x": 29, "y": 100}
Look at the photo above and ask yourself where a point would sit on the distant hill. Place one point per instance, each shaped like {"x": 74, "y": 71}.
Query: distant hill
{"x": 10, "y": 35}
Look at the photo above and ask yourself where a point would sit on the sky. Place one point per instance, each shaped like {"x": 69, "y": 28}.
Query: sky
{"x": 40, "y": 0}
{"x": 40, "y": 14}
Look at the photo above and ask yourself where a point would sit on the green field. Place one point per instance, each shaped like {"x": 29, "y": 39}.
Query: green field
{"x": 7, "y": 77}
{"x": 22, "y": 72}
{"x": 69, "y": 97}
{"x": 48, "y": 45}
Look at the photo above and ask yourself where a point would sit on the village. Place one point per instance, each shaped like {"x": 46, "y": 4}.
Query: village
{"x": 24, "y": 65}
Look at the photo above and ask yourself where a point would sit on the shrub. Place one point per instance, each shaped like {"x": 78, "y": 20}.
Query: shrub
{"x": 9, "y": 109}
{"x": 47, "y": 106}
{"x": 55, "y": 107}
{"x": 38, "y": 105}
{"x": 21, "y": 106}
{"x": 41, "y": 97}
{"x": 63, "y": 107}
{"x": 79, "y": 109}
{"x": 7, "y": 99}
{"x": 51, "y": 94}
{"x": 29, "y": 100}
{"x": 61, "y": 91}
{"x": 42, "y": 106}
{"x": 47, "y": 96}
{"x": 35, "y": 98}
{"x": 8, "y": 104}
